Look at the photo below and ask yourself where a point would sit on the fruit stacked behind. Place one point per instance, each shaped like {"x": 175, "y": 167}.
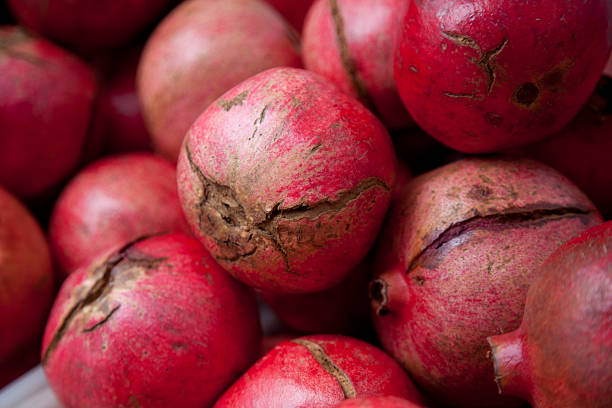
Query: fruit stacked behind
{"x": 380, "y": 176}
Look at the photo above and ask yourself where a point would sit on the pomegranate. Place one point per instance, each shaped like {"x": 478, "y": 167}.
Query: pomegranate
{"x": 377, "y": 402}
{"x": 293, "y": 10}
{"x": 26, "y": 291}
{"x": 582, "y": 150}
{"x": 351, "y": 43}
{"x": 286, "y": 181}
{"x": 318, "y": 371}
{"x": 456, "y": 258}
{"x": 156, "y": 323}
{"x": 199, "y": 51}
{"x": 560, "y": 355}
{"x": 342, "y": 309}
{"x": 483, "y": 75}
{"x": 88, "y": 25}
{"x": 113, "y": 201}
{"x": 46, "y": 98}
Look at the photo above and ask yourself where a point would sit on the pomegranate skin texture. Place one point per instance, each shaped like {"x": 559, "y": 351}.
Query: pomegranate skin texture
{"x": 293, "y": 10}
{"x": 318, "y": 371}
{"x": 286, "y": 180}
{"x": 454, "y": 263}
{"x": 560, "y": 355}
{"x": 351, "y": 43}
{"x": 377, "y": 402}
{"x": 199, "y": 51}
{"x": 46, "y": 98}
{"x": 26, "y": 272}
{"x": 582, "y": 150}
{"x": 111, "y": 202}
{"x": 146, "y": 325}
{"x": 88, "y": 25}
{"x": 482, "y": 76}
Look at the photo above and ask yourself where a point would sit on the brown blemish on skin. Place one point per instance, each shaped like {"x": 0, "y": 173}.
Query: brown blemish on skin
{"x": 235, "y": 101}
{"x": 479, "y": 193}
{"x": 238, "y": 234}
{"x": 107, "y": 276}
{"x": 526, "y": 95}
{"x": 378, "y": 294}
{"x": 486, "y": 60}
{"x": 328, "y": 365}
{"x": 348, "y": 63}
{"x": 7, "y": 44}
{"x": 430, "y": 256}
{"x": 494, "y": 119}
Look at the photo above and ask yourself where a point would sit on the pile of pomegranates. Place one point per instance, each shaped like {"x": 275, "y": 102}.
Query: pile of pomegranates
{"x": 313, "y": 203}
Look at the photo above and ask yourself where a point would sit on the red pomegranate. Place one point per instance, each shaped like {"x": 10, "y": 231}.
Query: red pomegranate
{"x": 111, "y": 202}
{"x": 286, "y": 181}
{"x": 26, "y": 291}
{"x": 88, "y": 25}
{"x": 454, "y": 263}
{"x": 351, "y": 43}
{"x": 156, "y": 323}
{"x": 293, "y": 10}
{"x": 199, "y": 51}
{"x": 318, "y": 371}
{"x": 481, "y": 76}
{"x": 377, "y": 402}
{"x": 560, "y": 356}
{"x": 46, "y": 98}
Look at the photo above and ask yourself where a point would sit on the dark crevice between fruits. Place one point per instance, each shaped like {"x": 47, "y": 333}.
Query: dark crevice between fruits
{"x": 348, "y": 63}
{"x": 107, "y": 278}
{"x": 222, "y": 217}
{"x": 228, "y": 104}
{"x": 485, "y": 60}
{"x": 526, "y": 95}
{"x": 512, "y": 218}
{"x": 378, "y": 295}
{"x": 328, "y": 365}
{"x": 601, "y": 100}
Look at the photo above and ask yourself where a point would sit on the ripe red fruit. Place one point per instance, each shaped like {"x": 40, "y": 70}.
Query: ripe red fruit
{"x": 286, "y": 181}
{"x": 157, "y": 323}
{"x": 46, "y": 100}
{"x": 318, "y": 371}
{"x": 351, "y": 43}
{"x": 199, "y": 51}
{"x": 294, "y": 11}
{"x": 582, "y": 150}
{"x": 26, "y": 273}
{"x": 377, "y": 402}
{"x": 113, "y": 201}
{"x": 560, "y": 355}
{"x": 88, "y": 25}
{"x": 481, "y": 76}
{"x": 454, "y": 264}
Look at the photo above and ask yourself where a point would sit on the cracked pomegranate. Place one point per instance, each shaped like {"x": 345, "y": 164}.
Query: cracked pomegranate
{"x": 199, "y": 51}
{"x": 454, "y": 263}
{"x": 481, "y": 76}
{"x": 351, "y": 43}
{"x": 111, "y": 202}
{"x": 26, "y": 276}
{"x": 46, "y": 97}
{"x": 318, "y": 371}
{"x": 286, "y": 181}
{"x": 156, "y": 323}
{"x": 560, "y": 355}
{"x": 88, "y": 25}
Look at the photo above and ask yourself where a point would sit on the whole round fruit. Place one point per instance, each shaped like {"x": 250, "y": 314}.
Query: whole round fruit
{"x": 199, "y": 51}
{"x": 88, "y": 25}
{"x": 454, "y": 263}
{"x": 286, "y": 180}
{"x": 27, "y": 278}
{"x": 111, "y": 202}
{"x": 560, "y": 355}
{"x": 156, "y": 323}
{"x": 351, "y": 43}
{"x": 483, "y": 75}
{"x": 46, "y": 98}
{"x": 318, "y": 371}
